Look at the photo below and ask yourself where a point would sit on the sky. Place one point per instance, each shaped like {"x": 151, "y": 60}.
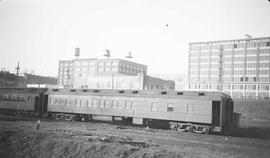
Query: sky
{"x": 39, "y": 33}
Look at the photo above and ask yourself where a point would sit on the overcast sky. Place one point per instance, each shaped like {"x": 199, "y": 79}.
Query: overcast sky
{"x": 39, "y": 33}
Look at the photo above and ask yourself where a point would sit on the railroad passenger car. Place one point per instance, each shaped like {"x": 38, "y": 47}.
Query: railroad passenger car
{"x": 199, "y": 112}
{"x": 22, "y": 101}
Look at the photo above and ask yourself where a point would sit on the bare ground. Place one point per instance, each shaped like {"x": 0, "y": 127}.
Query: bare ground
{"x": 76, "y": 139}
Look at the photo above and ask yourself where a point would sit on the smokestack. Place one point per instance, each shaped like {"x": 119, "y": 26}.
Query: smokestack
{"x": 77, "y": 52}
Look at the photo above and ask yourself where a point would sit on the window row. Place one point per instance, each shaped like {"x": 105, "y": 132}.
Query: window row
{"x": 239, "y": 58}
{"x": 251, "y": 65}
{"x": 92, "y": 69}
{"x": 205, "y": 60}
{"x": 108, "y": 63}
{"x": 215, "y": 60}
{"x": 128, "y": 71}
{"x": 18, "y": 98}
{"x": 126, "y": 65}
{"x": 79, "y": 64}
{"x": 90, "y": 103}
{"x": 229, "y": 87}
{"x": 239, "y": 52}
{"x": 194, "y": 53}
{"x": 62, "y": 64}
{"x": 264, "y": 72}
{"x": 114, "y": 69}
{"x": 265, "y": 51}
{"x": 125, "y": 105}
{"x": 204, "y": 86}
{"x": 264, "y": 64}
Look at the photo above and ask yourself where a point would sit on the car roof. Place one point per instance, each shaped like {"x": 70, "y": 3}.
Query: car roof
{"x": 141, "y": 93}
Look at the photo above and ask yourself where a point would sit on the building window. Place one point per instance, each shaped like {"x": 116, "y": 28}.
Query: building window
{"x": 91, "y": 63}
{"x": 190, "y": 108}
{"x": 107, "y": 69}
{"x": 251, "y": 87}
{"x": 264, "y": 79}
{"x": 251, "y": 72}
{"x": 128, "y": 105}
{"x": 264, "y": 87}
{"x": 264, "y": 72}
{"x": 170, "y": 107}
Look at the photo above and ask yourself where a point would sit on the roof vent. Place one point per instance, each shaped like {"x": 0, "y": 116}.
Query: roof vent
{"x": 134, "y": 92}
{"x": 121, "y": 91}
{"x": 201, "y": 93}
{"x": 163, "y": 92}
{"x": 180, "y": 93}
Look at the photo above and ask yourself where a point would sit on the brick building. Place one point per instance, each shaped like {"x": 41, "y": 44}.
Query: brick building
{"x": 107, "y": 74}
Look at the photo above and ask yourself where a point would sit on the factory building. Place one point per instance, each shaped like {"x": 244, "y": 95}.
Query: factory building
{"x": 240, "y": 67}
{"x": 108, "y": 74}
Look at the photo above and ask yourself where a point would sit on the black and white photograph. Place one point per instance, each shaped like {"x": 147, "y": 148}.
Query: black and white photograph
{"x": 134, "y": 78}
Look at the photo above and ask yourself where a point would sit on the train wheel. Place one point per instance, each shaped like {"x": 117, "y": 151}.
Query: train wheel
{"x": 172, "y": 125}
{"x": 83, "y": 119}
{"x": 189, "y": 128}
{"x": 206, "y": 130}
{"x": 201, "y": 130}
{"x": 68, "y": 117}
{"x": 59, "y": 116}
{"x": 196, "y": 129}
{"x": 90, "y": 118}
{"x": 53, "y": 116}
{"x": 181, "y": 128}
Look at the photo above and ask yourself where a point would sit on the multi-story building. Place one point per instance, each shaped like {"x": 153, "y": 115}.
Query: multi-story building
{"x": 107, "y": 74}
{"x": 180, "y": 80}
{"x": 240, "y": 67}
{"x": 66, "y": 73}
{"x": 10, "y": 80}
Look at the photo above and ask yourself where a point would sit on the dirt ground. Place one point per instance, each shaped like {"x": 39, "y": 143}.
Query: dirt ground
{"x": 91, "y": 139}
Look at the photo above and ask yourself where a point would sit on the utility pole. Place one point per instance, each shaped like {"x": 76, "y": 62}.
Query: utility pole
{"x": 17, "y": 68}
{"x": 25, "y": 80}
{"x": 5, "y": 79}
